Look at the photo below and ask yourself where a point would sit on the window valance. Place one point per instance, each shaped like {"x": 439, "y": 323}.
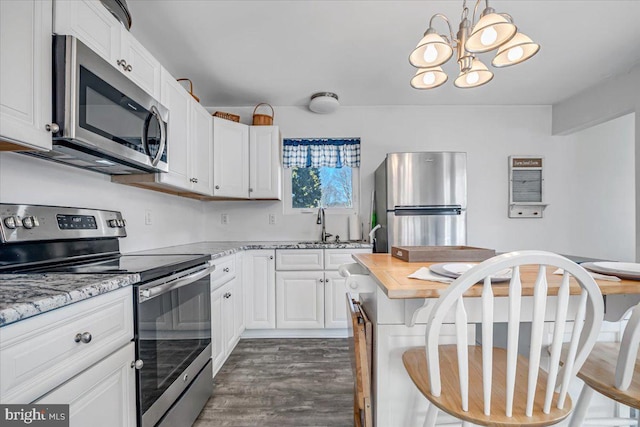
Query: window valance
{"x": 315, "y": 153}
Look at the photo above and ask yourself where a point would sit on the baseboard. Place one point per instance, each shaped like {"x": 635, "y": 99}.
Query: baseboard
{"x": 295, "y": 333}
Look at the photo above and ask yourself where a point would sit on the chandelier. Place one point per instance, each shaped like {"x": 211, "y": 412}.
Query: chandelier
{"x": 492, "y": 31}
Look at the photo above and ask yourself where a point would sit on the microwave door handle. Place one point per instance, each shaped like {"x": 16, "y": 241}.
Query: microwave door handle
{"x": 163, "y": 136}
{"x": 152, "y": 292}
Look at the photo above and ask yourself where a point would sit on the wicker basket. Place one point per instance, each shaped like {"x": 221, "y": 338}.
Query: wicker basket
{"x": 263, "y": 119}
{"x": 190, "y": 88}
{"x": 226, "y": 116}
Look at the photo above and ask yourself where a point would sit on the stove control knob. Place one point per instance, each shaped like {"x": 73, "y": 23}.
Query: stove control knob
{"x": 28, "y": 222}
{"x": 112, "y": 223}
{"x": 10, "y": 222}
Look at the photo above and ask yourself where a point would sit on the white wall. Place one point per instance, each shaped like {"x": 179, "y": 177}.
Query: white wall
{"x": 602, "y": 190}
{"x": 614, "y": 97}
{"x": 175, "y": 220}
{"x": 488, "y": 135}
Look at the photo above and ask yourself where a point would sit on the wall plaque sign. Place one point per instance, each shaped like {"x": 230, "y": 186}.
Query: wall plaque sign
{"x": 526, "y": 187}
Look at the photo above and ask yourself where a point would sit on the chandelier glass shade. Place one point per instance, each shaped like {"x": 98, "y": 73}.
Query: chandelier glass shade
{"x": 492, "y": 31}
{"x": 432, "y": 50}
{"x": 428, "y": 78}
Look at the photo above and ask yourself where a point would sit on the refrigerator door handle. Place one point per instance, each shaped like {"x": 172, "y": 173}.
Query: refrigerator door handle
{"x": 427, "y": 210}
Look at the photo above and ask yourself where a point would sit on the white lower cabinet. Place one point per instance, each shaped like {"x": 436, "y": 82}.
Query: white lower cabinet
{"x": 224, "y": 329}
{"x": 103, "y": 395}
{"x": 335, "y": 308}
{"x": 310, "y": 293}
{"x": 259, "y": 289}
{"x": 227, "y": 306}
{"x": 300, "y": 299}
{"x": 40, "y": 353}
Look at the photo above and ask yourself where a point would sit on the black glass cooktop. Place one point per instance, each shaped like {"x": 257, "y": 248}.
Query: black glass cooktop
{"x": 148, "y": 266}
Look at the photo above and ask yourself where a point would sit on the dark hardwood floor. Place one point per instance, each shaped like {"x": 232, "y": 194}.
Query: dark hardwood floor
{"x": 283, "y": 382}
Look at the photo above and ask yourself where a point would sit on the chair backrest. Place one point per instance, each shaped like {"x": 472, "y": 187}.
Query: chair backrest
{"x": 628, "y": 351}
{"x": 360, "y": 326}
{"x": 586, "y": 327}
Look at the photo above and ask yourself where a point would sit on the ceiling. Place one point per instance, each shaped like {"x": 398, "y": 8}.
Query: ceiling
{"x": 242, "y": 52}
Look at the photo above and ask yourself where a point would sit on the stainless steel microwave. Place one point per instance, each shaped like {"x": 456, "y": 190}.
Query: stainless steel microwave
{"x": 106, "y": 123}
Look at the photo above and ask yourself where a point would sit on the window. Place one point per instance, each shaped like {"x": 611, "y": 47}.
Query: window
{"x": 321, "y": 173}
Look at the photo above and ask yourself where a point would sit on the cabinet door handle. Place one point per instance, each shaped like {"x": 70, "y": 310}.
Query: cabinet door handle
{"x": 271, "y": 257}
{"x": 84, "y": 337}
{"x": 326, "y": 280}
{"x": 217, "y": 187}
{"x": 321, "y": 281}
{"x": 128, "y": 68}
{"x": 226, "y": 269}
{"x": 122, "y": 63}
{"x": 138, "y": 364}
{"x": 52, "y": 127}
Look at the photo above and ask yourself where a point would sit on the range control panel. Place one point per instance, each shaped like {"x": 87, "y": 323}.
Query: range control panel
{"x": 23, "y": 223}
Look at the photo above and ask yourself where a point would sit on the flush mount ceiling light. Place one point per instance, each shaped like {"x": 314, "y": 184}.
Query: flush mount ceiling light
{"x": 324, "y": 102}
{"x": 492, "y": 31}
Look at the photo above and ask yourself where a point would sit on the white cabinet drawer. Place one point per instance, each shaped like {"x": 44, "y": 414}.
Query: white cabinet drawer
{"x": 40, "y": 353}
{"x": 333, "y": 258}
{"x": 225, "y": 271}
{"x": 299, "y": 259}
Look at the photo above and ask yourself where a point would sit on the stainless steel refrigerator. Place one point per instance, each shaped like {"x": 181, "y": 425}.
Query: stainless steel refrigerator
{"x": 421, "y": 200}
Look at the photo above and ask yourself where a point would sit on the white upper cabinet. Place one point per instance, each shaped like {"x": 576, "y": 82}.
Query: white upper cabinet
{"x": 141, "y": 66}
{"x": 177, "y": 100}
{"x": 93, "y": 24}
{"x": 265, "y": 166}
{"x": 25, "y": 74}
{"x": 230, "y": 159}
{"x": 246, "y": 161}
{"x": 189, "y": 140}
{"x": 201, "y": 149}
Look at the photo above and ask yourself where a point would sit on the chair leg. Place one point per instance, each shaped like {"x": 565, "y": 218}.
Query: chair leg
{"x": 580, "y": 411}
{"x": 432, "y": 416}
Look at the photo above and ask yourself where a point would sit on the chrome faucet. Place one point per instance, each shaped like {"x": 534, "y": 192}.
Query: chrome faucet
{"x": 320, "y": 220}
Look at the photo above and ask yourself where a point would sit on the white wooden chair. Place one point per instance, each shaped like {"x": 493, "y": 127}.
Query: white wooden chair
{"x": 612, "y": 369}
{"x": 484, "y": 385}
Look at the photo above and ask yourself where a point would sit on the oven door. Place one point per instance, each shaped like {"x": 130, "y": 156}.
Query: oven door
{"x": 173, "y": 339}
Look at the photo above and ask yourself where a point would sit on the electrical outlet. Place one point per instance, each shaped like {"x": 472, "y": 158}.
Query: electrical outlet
{"x": 224, "y": 219}
{"x": 272, "y": 219}
{"x": 148, "y": 220}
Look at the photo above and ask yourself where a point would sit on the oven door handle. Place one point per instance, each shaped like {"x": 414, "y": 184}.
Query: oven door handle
{"x": 154, "y": 291}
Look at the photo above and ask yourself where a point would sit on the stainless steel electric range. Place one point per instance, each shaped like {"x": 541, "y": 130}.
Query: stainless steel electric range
{"x": 172, "y": 306}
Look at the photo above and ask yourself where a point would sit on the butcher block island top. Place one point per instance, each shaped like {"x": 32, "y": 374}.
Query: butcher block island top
{"x": 391, "y": 275}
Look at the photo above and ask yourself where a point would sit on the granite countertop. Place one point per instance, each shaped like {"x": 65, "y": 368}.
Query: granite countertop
{"x": 26, "y": 295}
{"x": 220, "y": 249}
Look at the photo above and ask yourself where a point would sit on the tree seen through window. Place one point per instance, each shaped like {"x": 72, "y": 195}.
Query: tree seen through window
{"x": 325, "y": 187}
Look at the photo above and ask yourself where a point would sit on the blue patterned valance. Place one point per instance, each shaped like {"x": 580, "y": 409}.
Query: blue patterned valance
{"x": 315, "y": 153}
